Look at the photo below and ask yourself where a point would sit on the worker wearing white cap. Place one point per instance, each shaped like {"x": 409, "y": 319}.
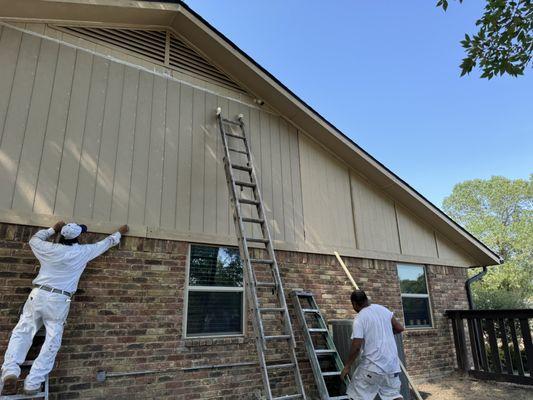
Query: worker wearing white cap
{"x": 48, "y": 303}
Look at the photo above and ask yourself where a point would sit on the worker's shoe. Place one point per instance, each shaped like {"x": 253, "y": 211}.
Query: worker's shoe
{"x": 31, "y": 390}
{"x": 9, "y": 379}
{"x": 8, "y": 383}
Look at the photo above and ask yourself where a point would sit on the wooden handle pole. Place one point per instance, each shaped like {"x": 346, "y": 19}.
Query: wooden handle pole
{"x": 404, "y": 370}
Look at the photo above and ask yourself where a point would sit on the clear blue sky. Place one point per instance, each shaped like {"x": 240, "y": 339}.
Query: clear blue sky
{"x": 386, "y": 74}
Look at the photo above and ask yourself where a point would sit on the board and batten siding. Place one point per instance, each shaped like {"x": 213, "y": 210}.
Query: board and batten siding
{"x": 87, "y": 138}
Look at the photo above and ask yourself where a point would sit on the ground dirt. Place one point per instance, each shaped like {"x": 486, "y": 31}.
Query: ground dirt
{"x": 456, "y": 387}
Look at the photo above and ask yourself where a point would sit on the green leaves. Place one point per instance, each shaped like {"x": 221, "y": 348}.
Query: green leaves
{"x": 499, "y": 211}
{"x": 504, "y": 41}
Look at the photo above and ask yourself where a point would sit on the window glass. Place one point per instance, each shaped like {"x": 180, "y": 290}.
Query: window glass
{"x": 416, "y": 312}
{"x": 412, "y": 279}
{"x": 215, "y": 266}
{"x": 415, "y": 296}
{"x": 217, "y": 313}
{"x": 215, "y": 292}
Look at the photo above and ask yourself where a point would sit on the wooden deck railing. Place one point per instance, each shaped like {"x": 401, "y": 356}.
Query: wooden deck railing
{"x": 494, "y": 344}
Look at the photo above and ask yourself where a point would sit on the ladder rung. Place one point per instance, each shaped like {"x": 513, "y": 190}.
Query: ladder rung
{"x": 311, "y": 310}
{"x": 241, "y": 167}
{"x": 331, "y": 373}
{"x": 254, "y": 220}
{"x": 247, "y": 184}
{"x": 339, "y": 398}
{"x": 265, "y": 284}
{"x": 288, "y": 397}
{"x": 38, "y": 395}
{"x": 260, "y": 261}
{"x": 272, "y": 309}
{"x": 304, "y": 294}
{"x": 318, "y": 330}
{"x": 229, "y": 121}
{"x": 325, "y": 351}
{"x": 279, "y": 366}
{"x": 236, "y": 136}
{"x": 257, "y": 240}
{"x": 237, "y": 151}
{"x": 278, "y": 337}
{"x": 248, "y": 201}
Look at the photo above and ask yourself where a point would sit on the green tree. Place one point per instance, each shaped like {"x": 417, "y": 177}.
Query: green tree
{"x": 499, "y": 211}
{"x": 504, "y": 41}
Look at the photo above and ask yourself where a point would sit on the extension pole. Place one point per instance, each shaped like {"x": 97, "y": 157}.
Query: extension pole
{"x": 404, "y": 370}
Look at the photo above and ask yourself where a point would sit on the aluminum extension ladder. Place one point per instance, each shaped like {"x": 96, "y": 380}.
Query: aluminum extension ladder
{"x": 265, "y": 296}
{"x": 325, "y": 360}
{"x": 41, "y": 395}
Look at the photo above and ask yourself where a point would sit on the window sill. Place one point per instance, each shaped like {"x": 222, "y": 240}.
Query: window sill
{"x": 214, "y": 340}
{"x": 421, "y": 332}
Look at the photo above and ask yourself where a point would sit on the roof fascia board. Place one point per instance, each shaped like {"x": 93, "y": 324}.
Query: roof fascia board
{"x": 97, "y": 12}
{"x": 288, "y": 104}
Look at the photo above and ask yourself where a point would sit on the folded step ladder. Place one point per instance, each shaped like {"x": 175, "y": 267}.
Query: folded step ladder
{"x": 41, "y": 395}
{"x": 241, "y": 179}
{"x": 316, "y": 332}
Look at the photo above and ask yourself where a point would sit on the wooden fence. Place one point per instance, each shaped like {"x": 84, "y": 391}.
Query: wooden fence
{"x": 494, "y": 344}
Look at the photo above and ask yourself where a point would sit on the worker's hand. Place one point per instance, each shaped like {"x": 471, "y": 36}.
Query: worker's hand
{"x": 123, "y": 229}
{"x": 58, "y": 225}
{"x": 345, "y": 371}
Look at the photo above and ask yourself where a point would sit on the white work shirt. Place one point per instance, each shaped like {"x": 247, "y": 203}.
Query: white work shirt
{"x": 61, "y": 265}
{"x": 379, "y": 352}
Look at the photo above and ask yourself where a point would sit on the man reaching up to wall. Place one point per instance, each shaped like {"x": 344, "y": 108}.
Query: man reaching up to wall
{"x": 379, "y": 368}
{"x": 48, "y": 303}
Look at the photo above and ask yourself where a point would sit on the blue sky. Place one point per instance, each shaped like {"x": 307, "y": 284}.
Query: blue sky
{"x": 386, "y": 74}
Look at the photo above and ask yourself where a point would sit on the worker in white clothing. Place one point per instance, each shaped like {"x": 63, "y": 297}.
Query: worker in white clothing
{"x": 48, "y": 303}
{"x": 378, "y": 371}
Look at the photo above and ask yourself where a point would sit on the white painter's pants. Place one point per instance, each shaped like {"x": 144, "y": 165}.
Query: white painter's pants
{"x": 42, "y": 307}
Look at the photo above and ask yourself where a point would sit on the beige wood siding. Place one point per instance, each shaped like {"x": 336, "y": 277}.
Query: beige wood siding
{"x": 87, "y": 138}
{"x": 326, "y": 198}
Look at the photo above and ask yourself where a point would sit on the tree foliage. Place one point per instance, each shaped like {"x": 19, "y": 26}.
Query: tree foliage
{"x": 499, "y": 211}
{"x": 504, "y": 41}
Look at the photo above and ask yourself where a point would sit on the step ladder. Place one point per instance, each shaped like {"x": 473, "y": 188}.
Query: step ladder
{"x": 264, "y": 289}
{"x": 40, "y": 395}
{"x": 325, "y": 360}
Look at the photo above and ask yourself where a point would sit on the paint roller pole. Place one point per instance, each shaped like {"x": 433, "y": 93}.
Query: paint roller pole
{"x": 404, "y": 370}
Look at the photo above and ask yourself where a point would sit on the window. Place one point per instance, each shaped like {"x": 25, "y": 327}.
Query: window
{"x": 415, "y": 297}
{"x": 214, "y": 292}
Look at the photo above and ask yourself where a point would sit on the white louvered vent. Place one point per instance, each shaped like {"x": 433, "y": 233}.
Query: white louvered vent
{"x": 156, "y": 46}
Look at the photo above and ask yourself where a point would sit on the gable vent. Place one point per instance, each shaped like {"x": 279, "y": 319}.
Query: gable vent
{"x": 156, "y": 46}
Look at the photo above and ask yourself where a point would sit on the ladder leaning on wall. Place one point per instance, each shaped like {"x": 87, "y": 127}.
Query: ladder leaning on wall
{"x": 265, "y": 296}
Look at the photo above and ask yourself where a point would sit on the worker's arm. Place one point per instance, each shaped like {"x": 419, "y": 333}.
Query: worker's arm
{"x": 38, "y": 242}
{"x": 397, "y": 327}
{"x": 354, "y": 352}
{"x": 94, "y": 250}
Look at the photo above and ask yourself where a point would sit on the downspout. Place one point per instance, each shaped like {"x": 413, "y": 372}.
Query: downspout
{"x": 469, "y": 282}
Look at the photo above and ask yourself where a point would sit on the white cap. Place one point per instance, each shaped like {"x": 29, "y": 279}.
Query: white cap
{"x": 72, "y": 231}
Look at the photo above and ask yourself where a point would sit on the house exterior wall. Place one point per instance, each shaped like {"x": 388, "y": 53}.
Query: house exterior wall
{"x": 128, "y": 317}
{"x": 101, "y": 141}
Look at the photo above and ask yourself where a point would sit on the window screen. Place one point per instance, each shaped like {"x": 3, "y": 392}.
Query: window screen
{"x": 215, "y": 292}
{"x": 415, "y": 297}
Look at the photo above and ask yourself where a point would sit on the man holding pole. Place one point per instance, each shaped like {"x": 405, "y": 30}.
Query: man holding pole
{"x": 379, "y": 369}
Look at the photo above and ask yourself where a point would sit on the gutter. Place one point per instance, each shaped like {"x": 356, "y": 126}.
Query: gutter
{"x": 468, "y": 289}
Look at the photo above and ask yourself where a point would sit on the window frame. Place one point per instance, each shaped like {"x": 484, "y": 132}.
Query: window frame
{"x": 416, "y": 296}
{"x": 219, "y": 289}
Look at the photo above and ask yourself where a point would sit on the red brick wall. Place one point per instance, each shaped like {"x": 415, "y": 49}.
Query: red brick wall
{"x": 127, "y": 316}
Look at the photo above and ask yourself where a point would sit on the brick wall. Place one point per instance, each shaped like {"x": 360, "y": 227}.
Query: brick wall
{"x": 127, "y": 316}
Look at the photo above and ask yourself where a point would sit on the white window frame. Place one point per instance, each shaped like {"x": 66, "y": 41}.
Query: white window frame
{"x": 416, "y": 295}
{"x": 188, "y": 289}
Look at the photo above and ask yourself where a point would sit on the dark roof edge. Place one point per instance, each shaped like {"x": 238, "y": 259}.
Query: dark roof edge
{"x": 277, "y": 81}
